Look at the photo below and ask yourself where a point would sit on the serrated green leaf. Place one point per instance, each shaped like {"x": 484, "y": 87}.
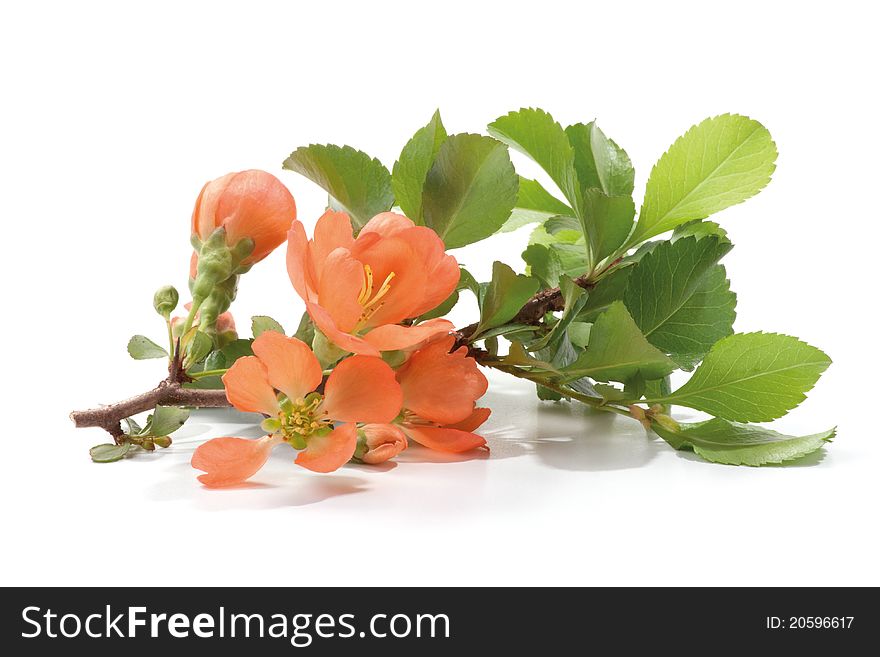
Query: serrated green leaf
{"x": 142, "y": 348}
{"x": 470, "y": 189}
{"x": 600, "y": 163}
{"x": 732, "y": 443}
{"x": 506, "y": 294}
{"x": 606, "y": 221}
{"x": 536, "y": 134}
{"x": 680, "y": 298}
{"x": 618, "y": 351}
{"x": 563, "y": 224}
{"x": 109, "y": 453}
{"x": 262, "y": 323}
{"x": 718, "y": 163}
{"x": 361, "y": 185}
{"x": 411, "y": 169}
{"x": 609, "y": 289}
{"x": 699, "y": 229}
{"x": 534, "y": 204}
{"x": 752, "y": 377}
{"x": 543, "y": 263}
{"x": 165, "y": 420}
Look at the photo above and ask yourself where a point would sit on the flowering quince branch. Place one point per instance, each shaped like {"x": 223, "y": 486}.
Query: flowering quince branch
{"x": 606, "y": 310}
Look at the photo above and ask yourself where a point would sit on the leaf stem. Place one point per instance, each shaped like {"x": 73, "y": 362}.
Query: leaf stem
{"x": 201, "y": 375}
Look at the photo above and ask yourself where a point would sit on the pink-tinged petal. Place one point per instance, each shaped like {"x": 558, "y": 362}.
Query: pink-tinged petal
{"x": 247, "y": 387}
{"x": 300, "y": 267}
{"x": 384, "y": 441}
{"x": 440, "y": 386}
{"x": 193, "y": 265}
{"x": 442, "y": 270}
{"x": 330, "y": 452}
{"x": 339, "y": 287}
{"x": 228, "y": 461}
{"x": 332, "y": 231}
{"x": 386, "y": 224}
{"x": 324, "y": 322}
{"x": 362, "y": 389}
{"x": 291, "y": 367}
{"x": 393, "y": 256}
{"x": 443, "y": 439}
{"x": 473, "y": 421}
{"x": 391, "y": 337}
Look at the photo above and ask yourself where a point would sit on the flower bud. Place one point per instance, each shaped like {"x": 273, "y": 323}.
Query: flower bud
{"x": 162, "y": 441}
{"x": 249, "y": 205}
{"x": 378, "y": 443}
{"x": 165, "y": 300}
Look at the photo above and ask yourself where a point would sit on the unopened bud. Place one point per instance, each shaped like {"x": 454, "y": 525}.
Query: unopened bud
{"x": 165, "y": 300}
{"x": 162, "y": 441}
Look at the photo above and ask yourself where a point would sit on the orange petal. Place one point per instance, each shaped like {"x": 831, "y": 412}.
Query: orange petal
{"x": 332, "y": 231}
{"x": 291, "y": 367}
{"x": 386, "y": 224}
{"x": 204, "y": 218}
{"x": 327, "y": 453}
{"x": 362, "y": 389}
{"x": 341, "y": 339}
{"x": 339, "y": 287}
{"x": 388, "y": 256}
{"x": 442, "y": 270}
{"x": 247, "y": 387}
{"x": 472, "y": 422}
{"x": 443, "y": 439}
{"x": 193, "y": 265}
{"x": 384, "y": 441}
{"x": 229, "y": 461}
{"x": 300, "y": 267}
{"x": 391, "y": 337}
{"x": 440, "y": 386}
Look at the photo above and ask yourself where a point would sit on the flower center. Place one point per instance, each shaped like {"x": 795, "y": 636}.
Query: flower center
{"x": 370, "y": 298}
{"x": 299, "y": 419}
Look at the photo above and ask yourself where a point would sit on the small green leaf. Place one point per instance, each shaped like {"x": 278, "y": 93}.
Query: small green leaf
{"x": 470, "y": 189}
{"x": 699, "y": 229}
{"x": 618, "y": 351}
{"x": 198, "y": 347}
{"x": 609, "y": 289}
{"x": 732, "y": 443}
{"x": 568, "y": 245}
{"x": 360, "y": 185}
{"x": 261, "y": 323}
{"x": 534, "y": 204}
{"x": 574, "y": 298}
{"x": 535, "y": 133}
{"x": 108, "y": 453}
{"x": 600, "y": 163}
{"x": 216, "y": 360}
{"x": 506, "y": 294}
{"x": 718, "y": 163}
{"x": 166, "y": 420}
{"x": 132, "y": 428}
{"x": 443, "y": 309}
{"x": 411, "y": 169}
{"x": 606, "y": 221}
{"x": 680, "y": 298}
{"x": 306, "y": 329}
{"x": 752, "y": 377}
{"x": 236, "y": 349}
{"x": 142, "y": 348}
{"x": 544, "y": 264}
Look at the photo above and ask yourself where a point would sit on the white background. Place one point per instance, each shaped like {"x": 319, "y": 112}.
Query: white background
{"x": 114, "y": 115}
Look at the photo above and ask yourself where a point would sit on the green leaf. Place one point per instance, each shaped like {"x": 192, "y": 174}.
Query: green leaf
{"x": 470, "y": 190}
{"x": 411, "y": 168}
{"x": 306, "y": 329}
{"x": 606, "y": 221}
{"x": 699, "y": 229}
{"x": 568, "y": 246}
{"x": 718, "y": 163}
{"x": 609, "y": 289}
{"x": 680, "y": 298}
{"x": 752, "y": 377}
{"x": 535, "y": 133}
{"x": 544, "y": 264}
{"x": 359, "y": 184}
{"x": 618, "y": 351}
{"x": 506, "y": 294}
{"x": 534, "y": 204}
{"x": 236, "y": 349}
{"x": 574, "y": 298}
{"x": 198, "y": 347}
{"x": 132, "y": 428}
{"x": 600, "y": 163}
{"x": 166, "y": 420}
{"x": 142, "y": 348}
{"x": 262, "y": 323}
{"x": 563, "y": 224}
{"x": 732, "y": 443}
{"x": 108, "y": 453}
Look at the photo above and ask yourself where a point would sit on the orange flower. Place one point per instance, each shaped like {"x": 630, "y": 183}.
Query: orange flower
{"x": 440, "y": 390}
{"x": 358, "y": 290}
{"x": 280, "y": 381}
{"x": 381, "y": 442}
{"x": 248, "y": 204}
